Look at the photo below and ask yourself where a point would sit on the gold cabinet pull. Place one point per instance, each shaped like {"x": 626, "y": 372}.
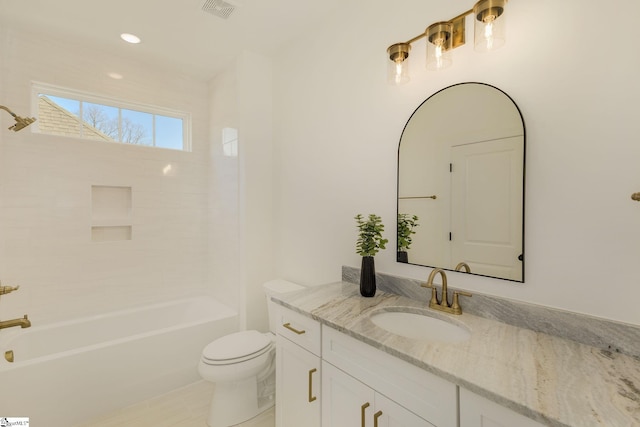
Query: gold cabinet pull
{"x": 363, "y": 408}
{"x": 375, "y": 418}
{"x": 292, "y": 329}
{"x": 8, "y": 355}
{"x": 311, "y": 396}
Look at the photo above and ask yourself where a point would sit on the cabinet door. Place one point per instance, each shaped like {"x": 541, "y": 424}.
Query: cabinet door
{"x": 348, "y": 402}
{"x": 345, "y": 400}
{"x": 297, "y": 386}
{"x": 426, "y": 395}
{"x": 476, "y": 411}
{"x": 389, "y": 414}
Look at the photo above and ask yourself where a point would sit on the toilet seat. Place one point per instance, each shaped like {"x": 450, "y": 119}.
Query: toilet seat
{"x": 236, "y": 348}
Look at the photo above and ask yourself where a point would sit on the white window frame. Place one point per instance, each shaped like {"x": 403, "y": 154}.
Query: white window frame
{"x": 62, "y": 92}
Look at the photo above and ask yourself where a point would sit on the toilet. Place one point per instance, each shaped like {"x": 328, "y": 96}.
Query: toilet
{"x": 242, "y": 366}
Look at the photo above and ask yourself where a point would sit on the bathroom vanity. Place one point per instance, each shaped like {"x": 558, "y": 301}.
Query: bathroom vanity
{"x": 298, "y": 367}
{"x": 337, "y": 367}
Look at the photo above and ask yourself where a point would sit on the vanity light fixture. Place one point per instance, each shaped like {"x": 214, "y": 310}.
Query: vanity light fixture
{"x": 443, "y": 37}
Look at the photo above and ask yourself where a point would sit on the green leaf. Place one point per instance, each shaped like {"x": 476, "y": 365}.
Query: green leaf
{"x": 370, "y": 239}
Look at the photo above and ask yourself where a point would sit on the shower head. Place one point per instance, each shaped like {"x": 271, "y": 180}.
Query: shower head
{"x": 21, "y": 122}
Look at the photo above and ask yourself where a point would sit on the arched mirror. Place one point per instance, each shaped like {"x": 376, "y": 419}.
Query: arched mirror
{"x": 461, "y": 183}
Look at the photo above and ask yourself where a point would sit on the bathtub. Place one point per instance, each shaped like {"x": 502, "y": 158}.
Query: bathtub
{"x": 66, "y": 373}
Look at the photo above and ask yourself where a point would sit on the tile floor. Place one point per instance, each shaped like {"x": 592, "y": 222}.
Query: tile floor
{"x": 184, "y": 407}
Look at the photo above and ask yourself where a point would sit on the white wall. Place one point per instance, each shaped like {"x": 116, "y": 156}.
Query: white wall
{"x": 257, "y": 255}
{"x": 224, "y": 241}
{"x": 242, "y": 255}
{"x": 45, "y": 189}
{"x": 338, "y": 124}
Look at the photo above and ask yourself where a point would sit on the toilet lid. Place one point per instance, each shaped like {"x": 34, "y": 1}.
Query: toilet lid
{"x": 236, "y": 345}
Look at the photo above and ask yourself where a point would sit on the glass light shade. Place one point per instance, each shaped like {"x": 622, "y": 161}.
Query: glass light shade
{"x": 398, "y": 63}
{"x": 489, "y": 25}
{"x": 439, "y": 37}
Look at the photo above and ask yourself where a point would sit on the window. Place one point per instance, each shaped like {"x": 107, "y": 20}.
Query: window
{"x": 230, "y": 142}
{"x": 72, "y": 113}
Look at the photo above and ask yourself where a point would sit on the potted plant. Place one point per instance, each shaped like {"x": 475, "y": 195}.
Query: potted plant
{"x": 406, "y": 224}
{"x": 370, "y": 241}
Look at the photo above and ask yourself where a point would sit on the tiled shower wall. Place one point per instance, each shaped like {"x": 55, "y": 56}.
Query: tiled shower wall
{"x": 46, "y": 186}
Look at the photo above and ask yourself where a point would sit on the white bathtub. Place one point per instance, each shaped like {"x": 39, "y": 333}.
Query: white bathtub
{"x": 68, "y": 372}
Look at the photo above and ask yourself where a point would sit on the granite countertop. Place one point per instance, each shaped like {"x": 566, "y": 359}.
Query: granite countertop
{"x": 555, "y": 381}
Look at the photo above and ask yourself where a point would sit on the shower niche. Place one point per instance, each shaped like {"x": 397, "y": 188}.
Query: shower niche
{"x": 110, "y": 213}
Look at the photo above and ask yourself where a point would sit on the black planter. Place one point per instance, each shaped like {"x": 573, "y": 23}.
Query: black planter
{"x": 367, "y": 277}
{"x": 403, "y": 256}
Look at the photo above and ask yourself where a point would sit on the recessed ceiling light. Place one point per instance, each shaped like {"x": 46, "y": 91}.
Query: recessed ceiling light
{"x": 130, "y": 38}
{"x": 116, "y": 76}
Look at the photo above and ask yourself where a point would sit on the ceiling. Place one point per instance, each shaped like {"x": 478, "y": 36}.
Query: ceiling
{"x": 177, "y": 33}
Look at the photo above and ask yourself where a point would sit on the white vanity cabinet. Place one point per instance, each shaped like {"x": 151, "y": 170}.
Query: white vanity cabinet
{"x": 349, "y": 402}
{"x": 477, "y": 411}
{"x": 298, "y": 370}
{"x": 326, "y": 378}
{"x": 380, "y": 390}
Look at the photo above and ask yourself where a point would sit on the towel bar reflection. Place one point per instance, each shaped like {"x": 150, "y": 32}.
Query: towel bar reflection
{"x": 420, "y": 197}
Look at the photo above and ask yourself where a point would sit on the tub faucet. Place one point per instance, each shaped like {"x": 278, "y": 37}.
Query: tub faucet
{"x": 443, "y": 303}
{"x": 23, "y": 323}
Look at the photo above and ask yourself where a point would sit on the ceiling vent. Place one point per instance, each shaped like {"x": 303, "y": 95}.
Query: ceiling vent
{"x": 219, "y": 8}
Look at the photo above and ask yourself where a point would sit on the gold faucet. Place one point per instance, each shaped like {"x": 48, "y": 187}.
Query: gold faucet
{"x": 443, "y": 304}
{"x": 23, "y": 323}
{"x": 464, "y": 265}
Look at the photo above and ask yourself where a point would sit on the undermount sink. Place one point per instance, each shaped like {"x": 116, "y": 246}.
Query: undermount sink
{"x": 419, "y": 326}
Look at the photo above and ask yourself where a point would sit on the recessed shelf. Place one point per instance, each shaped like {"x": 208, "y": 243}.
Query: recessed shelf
{"x": 110, "y": 213}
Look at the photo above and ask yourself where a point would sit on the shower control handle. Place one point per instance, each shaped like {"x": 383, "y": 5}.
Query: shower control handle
{"x": 8, "y": 289}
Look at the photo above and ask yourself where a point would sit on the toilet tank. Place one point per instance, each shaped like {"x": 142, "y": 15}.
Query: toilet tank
{"x": 277, "y": 287}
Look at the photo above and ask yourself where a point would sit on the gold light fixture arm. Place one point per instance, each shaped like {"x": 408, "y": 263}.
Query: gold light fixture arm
{"x": 461, "y": 16}
{"x": 456, "y": 21}
{"x": 636, "y": 197}
{"x": 416, "y": 38}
